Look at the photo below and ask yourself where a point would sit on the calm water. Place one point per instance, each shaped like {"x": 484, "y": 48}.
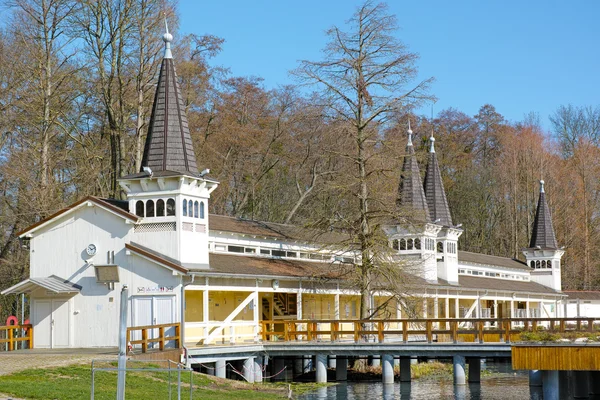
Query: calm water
{"x": 506, "y": 384}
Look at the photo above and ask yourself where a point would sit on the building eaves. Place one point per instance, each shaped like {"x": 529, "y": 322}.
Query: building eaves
{"x": 51, "y": 283}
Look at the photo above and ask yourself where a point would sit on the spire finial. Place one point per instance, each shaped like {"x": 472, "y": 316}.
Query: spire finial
{"x": 432, "y": 140}
{"x": 542, "y": 186}
{"x": 410, "y": 132}
{"x": 167, "y": 38}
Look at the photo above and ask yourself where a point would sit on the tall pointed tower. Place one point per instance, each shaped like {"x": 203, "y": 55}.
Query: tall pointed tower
{"x": 168, "y": 192}
{"x": 415, "y": 236}
{"x": 447, "y": 237}
{"x": 543, "y": 254}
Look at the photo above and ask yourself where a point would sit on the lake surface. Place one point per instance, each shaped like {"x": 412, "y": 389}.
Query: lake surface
{"x": 502, "y": 384}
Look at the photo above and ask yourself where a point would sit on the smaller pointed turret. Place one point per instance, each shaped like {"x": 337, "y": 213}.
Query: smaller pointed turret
{"x": 439, "y": 211}
{"x": 543, "y": 236}
{"x": 410, "y": 191}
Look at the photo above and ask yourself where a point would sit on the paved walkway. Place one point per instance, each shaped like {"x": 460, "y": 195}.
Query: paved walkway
{"x": 14, "y": 361}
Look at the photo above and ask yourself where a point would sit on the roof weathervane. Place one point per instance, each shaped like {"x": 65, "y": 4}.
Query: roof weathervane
{"x": 410, "y": 132}
{"x": 167, "y": 38}
{"x": 432, "y": 140}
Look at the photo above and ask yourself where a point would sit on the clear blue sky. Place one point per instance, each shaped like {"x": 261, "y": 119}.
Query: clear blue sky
{"x": 520, "y": 56}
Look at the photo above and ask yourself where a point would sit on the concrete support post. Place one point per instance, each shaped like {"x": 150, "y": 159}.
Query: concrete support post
{"x": 459, "y": 370}
{"x": 332, "y": 360}
{"x": 594, "y": 379}
{"x": 298, "y": 366}
{"x": 321, "y": 368}
{"x": 404, "y": 369}
{"x": 258, "y": 369}
{"x": 474, "y": 369}
{"x": 341, "y": 369}
{"x": 550, "y": 385}
{"x": 249, "y": 369}
{"x": 535, "y": 378}
{"x": 278, "y": 369}
{"x": 564, "y": 379}
{"x": 387, "y": 368}
{"x": 581, "y": 387}
{"x": 375, "y": 361}
{"x": 220, "y": 368}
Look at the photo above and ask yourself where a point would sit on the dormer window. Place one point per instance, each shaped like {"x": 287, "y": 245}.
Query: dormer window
{"x": 149, "y": 208}
{"x": 185, "y": 207}
{"x": 160, "y": 208}
{"x": 170, "y": 208}
{"x": 139, "y": 208}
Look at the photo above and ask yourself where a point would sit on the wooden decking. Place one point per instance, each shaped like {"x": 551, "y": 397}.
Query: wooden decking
{"x": 556, "y": 357}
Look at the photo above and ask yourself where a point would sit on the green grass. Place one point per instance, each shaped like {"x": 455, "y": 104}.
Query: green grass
{"x": 74, "y": 382}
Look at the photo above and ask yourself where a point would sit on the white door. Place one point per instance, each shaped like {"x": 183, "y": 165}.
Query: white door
{"x": 52, "y": 324}
{"x": 42, "y": 323}
{"x": 153, "y": 310}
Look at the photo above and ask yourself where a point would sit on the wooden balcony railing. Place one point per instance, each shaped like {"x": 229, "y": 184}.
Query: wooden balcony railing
{"x": 155, "y": 334}
{"x": 423, "y": 330}
{"x": 10, "y": 335}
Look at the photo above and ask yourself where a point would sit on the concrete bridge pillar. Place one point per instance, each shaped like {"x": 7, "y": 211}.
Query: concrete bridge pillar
{"x": 581, "y": 387}
{"x": 332, "y": 361}
{"x": 249, "y": 370}
{"x": 341, "y": 369}
{"x": 404, "y": 369}
{"x": 594, "y": 378}
{"x": 535, "y": 378}
{"x": 278, "y": 369}
{"x": 298, "y": 366}
{"x": 375, "y": 361}
{"x": 550, "y": 385}
{"x": 258, "y": 369}
{"x": 221, "y": 368}
{"x": 458, "y": 363}
{"x": 321, "y": 368}
{"x": 474, "y": 369}
{"x": 387, "y": 368}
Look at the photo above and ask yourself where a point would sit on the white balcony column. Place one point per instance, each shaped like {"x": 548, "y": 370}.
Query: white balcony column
{"x": 436, "y": 312}
{"x": 205, "y": 311}
{"x": 447, "y": 311}
{"x": 456, "y": 307}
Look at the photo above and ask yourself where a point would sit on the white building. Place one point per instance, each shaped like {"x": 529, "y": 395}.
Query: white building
{"x": 222, "y": 276}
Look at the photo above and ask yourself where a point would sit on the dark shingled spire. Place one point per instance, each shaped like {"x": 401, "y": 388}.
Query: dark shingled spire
{"x": 169, "y": 144}
{"x": 410, "y": 190}
{"x": 434, "y": 191}
{"x": 543, "y": 231}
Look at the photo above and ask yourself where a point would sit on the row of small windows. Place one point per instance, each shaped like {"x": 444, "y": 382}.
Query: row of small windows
{"x": 492, "y": 274}
{"x": 415, "y": 244}
{"x": 193, "y": 209}
{"x": 281, "y": 253}
{"x": 149, "y": 208}
{"x": 541, "y": 264}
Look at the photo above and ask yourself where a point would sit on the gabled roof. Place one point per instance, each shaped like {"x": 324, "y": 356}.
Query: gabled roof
{"x": 410, "y": 190}
{"x": 434, "y": 191}
{"x": 475, "y": 282}
{"x": 169, "y": 143}
{"x": 107, "y": 204}
{"x": 543, "y": 232}
{"x": 156, "y": 257}
{"x": 582, "y": 294}
{"x": 466, "y": 258}
{"x": 51, "y": 283}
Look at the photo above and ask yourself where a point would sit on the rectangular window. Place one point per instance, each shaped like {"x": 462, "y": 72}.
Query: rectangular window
{"x": 235, "y": 249}
{"x": 250, "y": 250}
{"x": 278, "y": 253}
{"x": 291, "y": 254}
{"x": 265, "y": 252}
{"x": 303, "y": 255}
{"x": 220, "y": 247}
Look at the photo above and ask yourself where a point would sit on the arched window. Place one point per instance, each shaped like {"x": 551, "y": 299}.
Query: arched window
{"x": 184, "y": 207}
{"x": 190, "y": 208}
{"x": 395, "y": 244}
{"x": 409, "y": 244}
{"x": 195, "y": 209}
{"x": 139, "y": 208}
{"x": 543, "y": 263}
{"x": 549, "y": 264}
{"x": 402, "y": 244}
{"x": 532, "y": 264}
{"x": 440, "y": 247}
{"x": 537, "y": 264}
{"x": 202, "y": 210}
{"x": 418, "y": 244}
{"x": 170, "y": 208}
{"x": 160, "y": 208}
{"x": 149, "y": 208}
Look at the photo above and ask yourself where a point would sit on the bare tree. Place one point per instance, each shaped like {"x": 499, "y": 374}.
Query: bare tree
{"x": 366, "y": 76}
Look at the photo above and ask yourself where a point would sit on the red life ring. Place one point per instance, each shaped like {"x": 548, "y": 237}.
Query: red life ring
{"x": 13, "y": 319}
{"x": 26, "y": 322}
